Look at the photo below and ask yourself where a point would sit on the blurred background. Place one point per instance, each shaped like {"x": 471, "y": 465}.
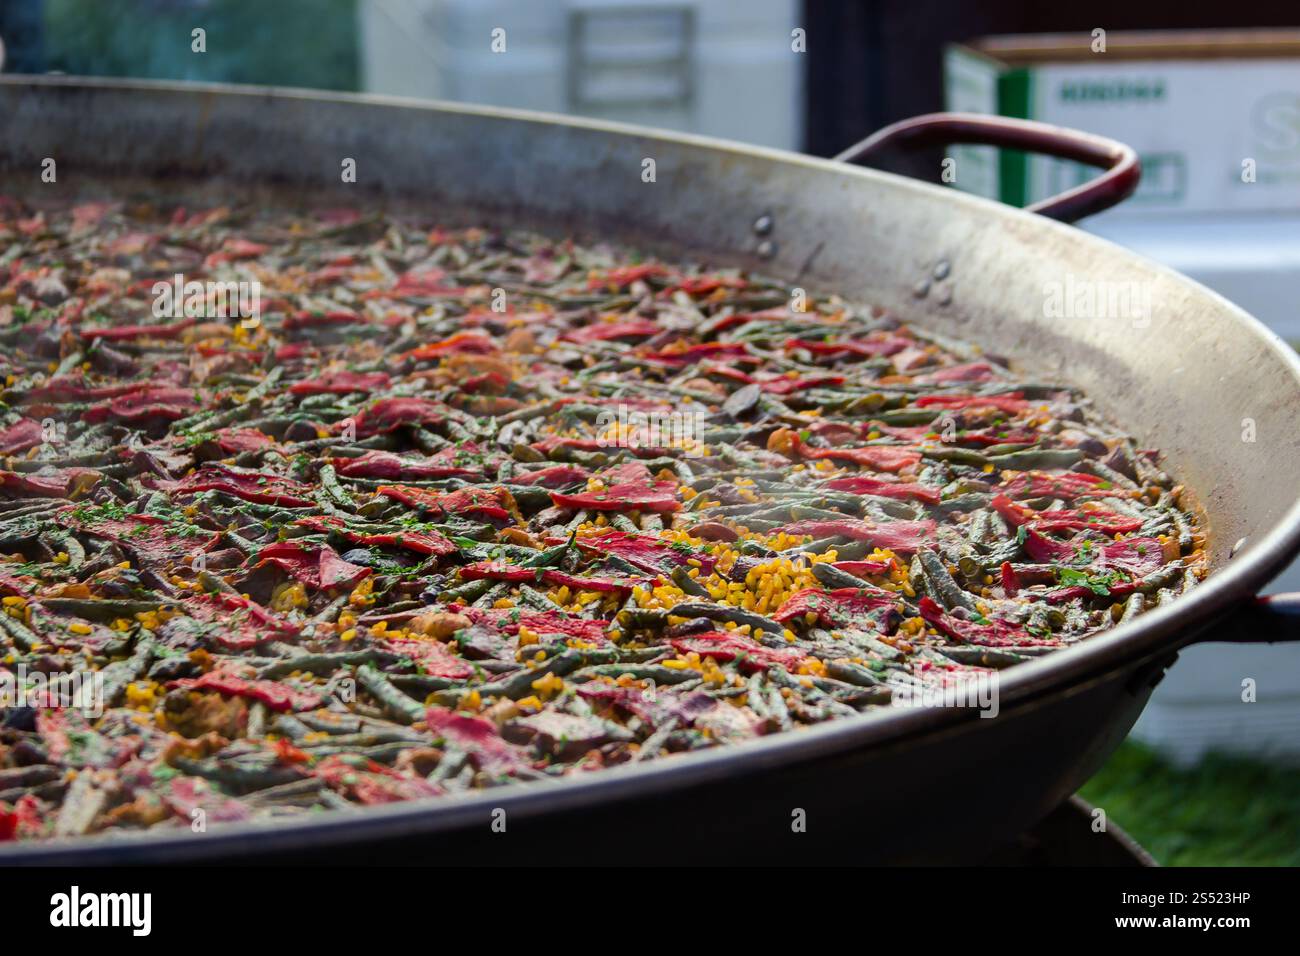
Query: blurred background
{"x": 1207, "y": 92}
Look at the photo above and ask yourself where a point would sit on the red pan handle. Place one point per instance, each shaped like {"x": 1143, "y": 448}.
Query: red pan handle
{"x": 1122, "y": 169}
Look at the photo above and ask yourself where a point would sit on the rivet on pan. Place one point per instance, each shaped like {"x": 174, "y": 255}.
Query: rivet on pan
{"x": 763, "y": 225}
{"x": 766, "y": 249}
{"x": 1241, "y": 543}
{"x": 921, "y": 289}
{"x": 945, "y": 295}
{"x": 941, "y": 269}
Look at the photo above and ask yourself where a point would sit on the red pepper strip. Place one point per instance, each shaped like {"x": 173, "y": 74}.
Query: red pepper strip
{"x": 864, "y": 485}
{"x": 909, "y": 433}
{"x": 478, "y": 737}
{"x": 692, "y": 353}
{"x": 659, "y": 496}
{"x": 152, "y": 540}
{"x": 508, "y": 621}
{"x": 434, "y": 659}
{"x": 1042, "y": 548}
{"x": 1043, "y": 484}
{"x": 557, "y": 476}
{"x": 462, "y": 343}
{"x": 488, "y": 383}
{"x": 785, "y": 386}
{"x": 1061, "y": 595}
{"x": 1138, "y": 556}
{"x": 277, "y": 696}
{"x": 903, "y": 537}
{"x": 73, "y": 388}
{"x": 970, "y": 372}
{"x": 1086, "y": 519}
{"x": 729, "y": 646}
{"x": 623, "y": 277}
{"x": 253, "y": 486}
{"x": 548, "y": 445}
{"x": 966, "y": 437}
{"x": 319, "y": 567}
{"x": 878, "y": 457}
{"x": 132, "y": 244}
{"x": 236, "y": 441}
{"x": 389, "y": 414}
{"x": 645, "y": 551}
{"x": 420, "y": 542}
{"x": 62, "y": 484}
{"x": 1010, "y": 583}
{"x": 606, "y": 331}
{"x": 995, "y": 634}
{"x": 329, "y": 275}
{"x": 869, "y": 347}
{"x": 233, "y": 249}
{"x": 493, "y": 503}
{"x": 738, "y": 319}
{"x": 727, "y": 372}
{"x": 421, "y": 282}
{"x": 244, "y": 623}
{"x": 187, "y": 794}
{"x": 386, "y": 464}
{"x": 501, "y": 571}
{"x": 341, "y": 383}
{"x": 863, "y": 569}
{"x": 293, "y": 351}
{"x": 154, "y": 402}
{"x": 1010, "y": 402}
{"x": 654, "y": 708}
{"x": 703, "y": 285}
{"x": 1105, "y": 522}
{"x": 372, "y": 783}
{"x": 627, "y": 473}
{"x": 842, "y": 607}
{"x": 121, "y": 332}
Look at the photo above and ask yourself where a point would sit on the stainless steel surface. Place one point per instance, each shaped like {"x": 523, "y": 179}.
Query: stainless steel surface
{"x": 1185, "y": 382}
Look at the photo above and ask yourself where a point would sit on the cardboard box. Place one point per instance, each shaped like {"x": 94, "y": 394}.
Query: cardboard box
{"x": 1214, "y": 115}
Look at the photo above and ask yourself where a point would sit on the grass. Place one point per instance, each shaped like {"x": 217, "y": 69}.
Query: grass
{"x": 311, "y": 43}
{"x": 1225, "y": 811}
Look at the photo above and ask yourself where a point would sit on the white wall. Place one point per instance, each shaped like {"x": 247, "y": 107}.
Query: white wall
{"x": 745, "y": 80}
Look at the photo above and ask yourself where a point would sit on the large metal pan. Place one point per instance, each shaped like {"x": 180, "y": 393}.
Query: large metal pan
{"x": 1194, "y": 378}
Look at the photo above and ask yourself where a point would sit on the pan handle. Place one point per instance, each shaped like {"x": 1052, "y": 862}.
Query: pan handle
{"x": 1262, "y": 620}
{"x": 1113, "y": 186}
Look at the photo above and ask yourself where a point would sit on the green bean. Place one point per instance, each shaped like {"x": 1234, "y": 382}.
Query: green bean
{"x": 402, "y": 708}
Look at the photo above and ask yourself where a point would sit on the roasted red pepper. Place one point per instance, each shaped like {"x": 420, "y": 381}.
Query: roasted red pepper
{"x": 249, "y": 485}
{"x": 278, "y": 697}
{"x": 421, "y": 542}
{"x": 658, "y": 496}
{"x": 729, "y": 646}
{"x": 903, "y": 537}
{"x": 319, "y": 567}
{"x": 843, "y": 607}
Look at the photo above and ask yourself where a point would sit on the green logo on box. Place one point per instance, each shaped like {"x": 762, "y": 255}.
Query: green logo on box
{"x": 1118, "y": 90}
